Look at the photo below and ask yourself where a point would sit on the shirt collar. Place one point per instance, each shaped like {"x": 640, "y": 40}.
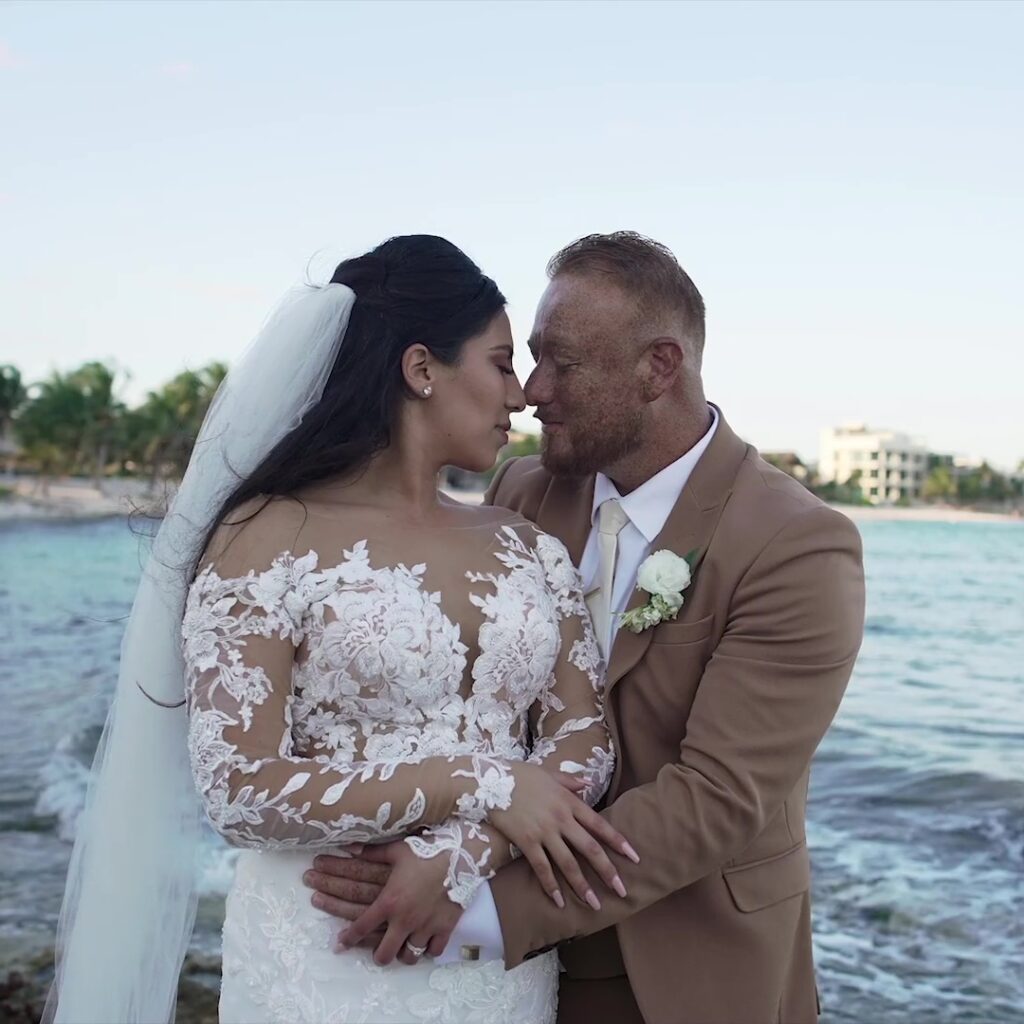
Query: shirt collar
{"x": 648, "y": 507}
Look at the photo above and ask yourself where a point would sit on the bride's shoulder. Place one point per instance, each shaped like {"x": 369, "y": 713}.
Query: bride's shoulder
{"x": 547, "y": 545}
{"x": 499, "y": 519}
{"x": 254, "y": 534}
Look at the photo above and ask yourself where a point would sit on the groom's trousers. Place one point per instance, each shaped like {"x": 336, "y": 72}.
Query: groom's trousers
{"x": 596, "y": 1000}
{"x": 593, "y": 986}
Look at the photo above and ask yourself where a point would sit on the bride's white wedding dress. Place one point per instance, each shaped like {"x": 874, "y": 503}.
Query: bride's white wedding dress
{"x": 350, "y": 689}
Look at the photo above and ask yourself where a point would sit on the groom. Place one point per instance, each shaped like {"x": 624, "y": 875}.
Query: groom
{"x": 716, "y": 713}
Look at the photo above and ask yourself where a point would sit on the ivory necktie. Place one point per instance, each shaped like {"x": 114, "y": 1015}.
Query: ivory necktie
{"x": 611, "y": 518}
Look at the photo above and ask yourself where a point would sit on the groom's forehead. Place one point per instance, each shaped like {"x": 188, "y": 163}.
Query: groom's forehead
{"x": 561, "y": 327}
{"x": 571, "y": 320}
{"x": 575, "y": 300}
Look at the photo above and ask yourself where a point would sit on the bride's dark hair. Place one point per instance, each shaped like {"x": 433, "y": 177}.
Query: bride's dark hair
{"x": 410, "y": 289}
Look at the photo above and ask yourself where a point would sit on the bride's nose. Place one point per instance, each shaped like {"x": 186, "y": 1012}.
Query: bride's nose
{"x": 515, "y": 400}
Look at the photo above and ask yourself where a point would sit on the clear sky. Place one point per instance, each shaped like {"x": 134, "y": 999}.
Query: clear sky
{"x": 843, "y": 181}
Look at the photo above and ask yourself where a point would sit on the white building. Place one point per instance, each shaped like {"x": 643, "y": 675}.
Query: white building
{"x": 891, "y": 465}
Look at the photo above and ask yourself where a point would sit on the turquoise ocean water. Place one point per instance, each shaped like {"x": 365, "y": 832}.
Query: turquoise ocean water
{"x": 917, "y": 798}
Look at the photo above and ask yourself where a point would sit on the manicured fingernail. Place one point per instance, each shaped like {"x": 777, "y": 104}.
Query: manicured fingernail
{"x": 307, "y": 878}
{"x": 559, "y": 901}
{"x": 593, "y": 900}
{"x": 317, "y": 900}
{"x": 631, "y": 853}
{"x": 618, "y": 886}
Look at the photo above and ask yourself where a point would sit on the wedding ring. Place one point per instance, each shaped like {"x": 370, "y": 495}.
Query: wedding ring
{"x": 416, "y": 951}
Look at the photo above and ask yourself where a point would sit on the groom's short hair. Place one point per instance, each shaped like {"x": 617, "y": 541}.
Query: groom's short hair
{"x": 641, "y": 267}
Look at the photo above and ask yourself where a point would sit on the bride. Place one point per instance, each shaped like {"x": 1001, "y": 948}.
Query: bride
{"x": 332, "y": 653}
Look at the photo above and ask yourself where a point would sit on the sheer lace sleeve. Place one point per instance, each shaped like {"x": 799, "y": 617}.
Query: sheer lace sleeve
{"x": 567, "y": 722}
{"x": 241, "y": 634}
{"x": 567, "y": 729}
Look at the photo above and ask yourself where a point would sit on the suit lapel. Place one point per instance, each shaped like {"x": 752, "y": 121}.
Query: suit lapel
{"x": 689, "y": 527}
{"x": 565, "y": 511}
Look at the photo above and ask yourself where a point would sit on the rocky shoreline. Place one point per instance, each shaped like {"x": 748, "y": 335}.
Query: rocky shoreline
{"x": 23, "y": 991}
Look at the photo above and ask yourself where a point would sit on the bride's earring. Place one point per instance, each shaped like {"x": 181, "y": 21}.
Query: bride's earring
{"x": 428, "y": 391}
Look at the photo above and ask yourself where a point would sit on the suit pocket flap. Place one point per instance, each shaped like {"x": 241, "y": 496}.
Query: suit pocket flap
{"x": 759, "y": 885}
{"x": 683, "y": 632}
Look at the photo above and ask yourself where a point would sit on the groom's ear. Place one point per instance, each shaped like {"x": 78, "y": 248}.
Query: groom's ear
{"x": 661, "y": 365}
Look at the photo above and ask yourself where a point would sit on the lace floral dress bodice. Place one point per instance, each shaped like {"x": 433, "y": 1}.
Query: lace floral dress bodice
{"x": 368, "y": 681}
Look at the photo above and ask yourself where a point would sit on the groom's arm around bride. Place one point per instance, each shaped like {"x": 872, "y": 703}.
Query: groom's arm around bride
{"x": 715, "y": 717}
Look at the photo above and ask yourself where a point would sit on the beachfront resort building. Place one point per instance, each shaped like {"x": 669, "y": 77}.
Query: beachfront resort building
{"x": 888, "y": 466}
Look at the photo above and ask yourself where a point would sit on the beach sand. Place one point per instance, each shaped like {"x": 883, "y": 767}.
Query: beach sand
{"x": 71, "y": 499}
{"x": 924, "y": 514}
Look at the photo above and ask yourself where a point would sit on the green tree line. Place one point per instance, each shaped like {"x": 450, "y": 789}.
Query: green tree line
{"x": 76, "y": 422}
{"x": 978, "y": 484}
{"x": 944, "y": 484}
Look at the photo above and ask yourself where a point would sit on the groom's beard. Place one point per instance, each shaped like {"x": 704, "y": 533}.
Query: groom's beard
{"x": 580, "y": 451}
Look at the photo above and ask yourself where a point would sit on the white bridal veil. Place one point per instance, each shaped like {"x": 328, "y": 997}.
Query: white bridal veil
{"x": 130, "y": 901}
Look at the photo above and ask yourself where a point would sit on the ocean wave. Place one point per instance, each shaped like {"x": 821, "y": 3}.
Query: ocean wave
{"x": 64, "y": 779}
{"x": 64, "y": 782}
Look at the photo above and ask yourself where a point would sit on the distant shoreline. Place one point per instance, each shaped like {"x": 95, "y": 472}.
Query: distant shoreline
{"x": 78, "y": 500}
{"x": 69, "y": 500}
{"x": 924, "y": 514}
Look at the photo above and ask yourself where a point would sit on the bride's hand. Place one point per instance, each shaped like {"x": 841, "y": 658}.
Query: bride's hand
{"x": 550, "y": 823}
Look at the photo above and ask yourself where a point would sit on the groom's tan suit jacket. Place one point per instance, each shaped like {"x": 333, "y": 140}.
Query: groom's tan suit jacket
{"x": 715, "y": 717}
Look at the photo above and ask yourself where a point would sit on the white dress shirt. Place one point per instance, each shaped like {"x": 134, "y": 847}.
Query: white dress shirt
{"x": 648, "y": 508}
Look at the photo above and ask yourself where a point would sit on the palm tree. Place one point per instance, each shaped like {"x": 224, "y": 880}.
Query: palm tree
{"x": 983, "y": 483}
{"x": 940, "y": 484}
{"x": 12, "y": 394}
{"x": 70, "y": 421}
{"x": 50, "y": 426}
{"x": 73, "y": 422}
{"x": 168, "y": 421}
{"x": 101, "y": 412}
{"x": 12, "y": 397}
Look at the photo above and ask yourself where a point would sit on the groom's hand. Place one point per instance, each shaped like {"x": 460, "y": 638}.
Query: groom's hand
{"x": 392, "y": 896}
{"x": 346, "y": 886}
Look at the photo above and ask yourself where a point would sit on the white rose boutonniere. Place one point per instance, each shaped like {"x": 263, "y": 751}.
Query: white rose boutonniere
{"x": 664, "y": 575}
